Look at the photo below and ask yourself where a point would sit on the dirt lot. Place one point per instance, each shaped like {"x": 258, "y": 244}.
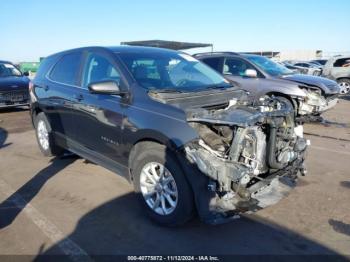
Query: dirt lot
{"x": 70, "y": 206}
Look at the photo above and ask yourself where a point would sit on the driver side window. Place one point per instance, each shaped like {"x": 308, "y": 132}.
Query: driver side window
{"x": 98, "y": 68}
{"x": 236, "y": 67}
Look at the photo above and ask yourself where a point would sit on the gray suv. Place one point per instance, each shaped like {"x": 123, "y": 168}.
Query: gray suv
{"x": 172, "y": 126}
{"x": 260, "y": 76}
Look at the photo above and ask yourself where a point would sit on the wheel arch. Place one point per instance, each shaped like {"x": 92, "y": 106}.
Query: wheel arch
{"x": 159, "y": 139}
{"x": 340, "y": 78}
{"x": 35, "y": 110}
{"x": 290, "y": 99}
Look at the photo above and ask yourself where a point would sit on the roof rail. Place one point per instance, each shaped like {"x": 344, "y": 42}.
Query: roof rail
{"x": 175, "y": 45}
{"x": 217, "y": 53}
{"x": 5, "y": 61}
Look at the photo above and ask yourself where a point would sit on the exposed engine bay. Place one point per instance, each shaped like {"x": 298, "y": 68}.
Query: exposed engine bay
{"x": 250, "y": 153}
{"x": 247, "y": 156}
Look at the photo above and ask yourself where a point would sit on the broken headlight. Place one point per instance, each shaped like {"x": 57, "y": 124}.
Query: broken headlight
{"x": 315, "y": 98}
{"x": 312, "y": 102}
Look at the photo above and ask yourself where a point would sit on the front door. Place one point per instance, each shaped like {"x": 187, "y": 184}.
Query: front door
{"x": 234, "y": 70}
{"x": 98, "y": 118}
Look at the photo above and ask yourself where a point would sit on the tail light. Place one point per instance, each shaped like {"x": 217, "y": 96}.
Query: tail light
{"x": 31, "y": 86}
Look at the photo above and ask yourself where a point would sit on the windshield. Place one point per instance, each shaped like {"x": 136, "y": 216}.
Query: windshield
{"x": 269, "y": 66}
{"x": 9, "y": 70}
{"x": 172, "y": 72}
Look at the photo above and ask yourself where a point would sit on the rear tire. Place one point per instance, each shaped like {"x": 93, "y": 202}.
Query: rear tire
{"x": 152, "y": 158}
{"x": 45, "y": 137}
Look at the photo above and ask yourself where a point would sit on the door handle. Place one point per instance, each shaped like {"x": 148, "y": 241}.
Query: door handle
{"x": 78, "y": 97}
{"x": 45, "y": 87}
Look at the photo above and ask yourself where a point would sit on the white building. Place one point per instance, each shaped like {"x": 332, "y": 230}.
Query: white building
{"x": 291, "y": 54}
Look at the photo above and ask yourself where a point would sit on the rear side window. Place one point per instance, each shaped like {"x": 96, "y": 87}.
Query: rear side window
{"x": 213, "y": 63}
{"x": 344, "y": 62}
{"x": 44, "y": 67}
{"x": 66, "y": 69}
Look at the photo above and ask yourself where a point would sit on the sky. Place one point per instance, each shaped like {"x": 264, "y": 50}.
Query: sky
{"x": 30, "y": 29}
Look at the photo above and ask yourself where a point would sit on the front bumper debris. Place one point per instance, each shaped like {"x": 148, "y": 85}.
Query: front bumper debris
{"x": 227, "y": 205}
{"x": 315, "y": 103}
{"x": 329, "y": 105}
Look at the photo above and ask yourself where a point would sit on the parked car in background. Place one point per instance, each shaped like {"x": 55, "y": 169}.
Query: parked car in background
{"x": 309, "y": 95}
{"x": 313, "y": 69}
{"x": 172, "y": 126}
{"x": 296, "y": 69}
{"x": 321, "y": 62}
{"x": 338, "y": 69}
{"x": 13, "y": 86}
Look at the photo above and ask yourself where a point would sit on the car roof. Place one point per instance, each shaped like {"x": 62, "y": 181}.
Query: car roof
{"x": 120, "y": 49}
{"x": 143, "y": 49}
{"x": 223, "y": 54}
{"x": 5, "y": 62}
{"x": 342, "y": 57}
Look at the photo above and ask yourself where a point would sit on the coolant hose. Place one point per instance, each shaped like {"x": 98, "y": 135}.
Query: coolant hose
{"x": 271, "y": 148}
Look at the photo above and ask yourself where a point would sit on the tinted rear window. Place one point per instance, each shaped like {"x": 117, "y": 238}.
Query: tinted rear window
{"x": 344, "y": 62}
{"x": 66, "y": 69}
{"x": 213, "y": 63}
{"x": 45, "y": 65}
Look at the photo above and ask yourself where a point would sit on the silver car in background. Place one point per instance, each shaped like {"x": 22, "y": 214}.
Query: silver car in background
{"x": 260, "y": 76}
{"x": 338, "y": 69}
{"x": 311, "y": 68}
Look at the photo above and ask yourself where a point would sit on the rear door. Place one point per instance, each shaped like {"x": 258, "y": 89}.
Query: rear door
{"x": 58, "y": 94}
{"x": 98, "y": 118}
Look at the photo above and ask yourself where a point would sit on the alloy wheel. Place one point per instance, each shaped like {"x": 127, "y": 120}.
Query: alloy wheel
{"x": 43, "y": 135}
{"x": 158, "y": 188}
{"x": 344, "y": 88}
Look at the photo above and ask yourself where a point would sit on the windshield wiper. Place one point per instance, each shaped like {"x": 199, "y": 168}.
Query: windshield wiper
{"x": 219, "y": 86}
{"x": 166, "y": 90}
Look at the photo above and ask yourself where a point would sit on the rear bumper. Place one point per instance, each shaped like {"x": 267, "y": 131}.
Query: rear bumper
{"x": 14, "y": 98}
{"x": 13, "y": 104}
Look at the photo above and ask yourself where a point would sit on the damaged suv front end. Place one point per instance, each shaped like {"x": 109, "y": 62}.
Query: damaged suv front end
{"x": 252, "y": 158}
{"x": 251, "y": 155}
{"x": 236, "y": 156}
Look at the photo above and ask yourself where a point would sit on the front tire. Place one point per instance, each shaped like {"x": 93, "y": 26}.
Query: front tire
{"x": 161, "y": 185}
{"x": 344, "y": 85}
{"x": 45, "y": 137}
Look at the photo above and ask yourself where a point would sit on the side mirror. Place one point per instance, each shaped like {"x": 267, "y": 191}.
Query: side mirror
{"x": 105, "y": 87}
{"x": 251, "y": 73}
{"x": 26, "y": 73}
